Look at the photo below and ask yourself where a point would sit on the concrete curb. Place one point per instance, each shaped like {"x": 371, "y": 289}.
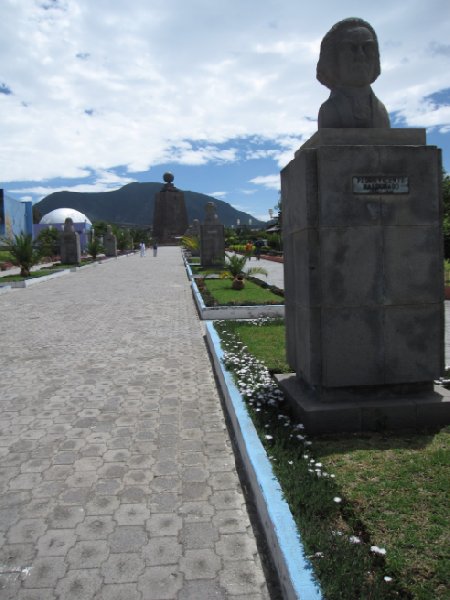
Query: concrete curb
{"x": 283, "y": 540}
{"x": 211, "y": 313}
{"x": 234, "y": 312}
{"x": 27, "y": 282}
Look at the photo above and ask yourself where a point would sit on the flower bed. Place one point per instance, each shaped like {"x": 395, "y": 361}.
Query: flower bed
{"x": 234, "y": 311}
{"x": 364, "y": 530}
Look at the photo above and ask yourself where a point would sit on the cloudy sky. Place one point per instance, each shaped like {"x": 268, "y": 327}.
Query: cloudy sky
{"x": 98, "y": 93}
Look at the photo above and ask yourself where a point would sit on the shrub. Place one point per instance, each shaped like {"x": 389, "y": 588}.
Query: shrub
{"x": 23, "y": 254}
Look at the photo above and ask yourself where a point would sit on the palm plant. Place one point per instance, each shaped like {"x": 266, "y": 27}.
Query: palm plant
{"x": 23, "y": 254}
{"x": 235, "y": 269}
{"x": 94, "y": 248}
{"x": 191, "y": 242}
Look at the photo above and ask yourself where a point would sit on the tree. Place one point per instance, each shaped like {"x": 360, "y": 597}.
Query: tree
{"x": 100, "y": 227}
{"x": 48, "y": 241}
{"x": 123, "y": 239}
{"x": 138, "y": 234}
{"x": 23, "y": 253}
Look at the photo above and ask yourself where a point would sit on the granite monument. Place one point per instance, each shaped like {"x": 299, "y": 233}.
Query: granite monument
{"x": 70, "y": 244}
{"x": 170, "y": 219}
{"x": 110, "y": 242}
{"x": 212, "y": 238}
{"x": 363, "y": 256}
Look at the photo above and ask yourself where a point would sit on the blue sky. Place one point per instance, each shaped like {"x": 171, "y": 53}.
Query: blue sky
{"x": 94, "y": 95}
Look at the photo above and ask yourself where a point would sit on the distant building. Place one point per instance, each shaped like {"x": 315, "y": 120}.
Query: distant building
{"x": 56, "y": 219}
{"x": 16, "y": 216}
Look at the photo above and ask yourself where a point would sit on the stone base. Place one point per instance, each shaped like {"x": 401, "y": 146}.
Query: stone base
{"x": 366, "y": 410}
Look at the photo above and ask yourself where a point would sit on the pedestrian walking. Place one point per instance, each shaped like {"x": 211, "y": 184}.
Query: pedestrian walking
{"x": 155, "y": 248}
{"x": 142, "y": 247}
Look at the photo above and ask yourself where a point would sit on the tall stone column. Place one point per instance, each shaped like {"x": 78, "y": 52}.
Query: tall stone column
{"x": 170, "y": 219}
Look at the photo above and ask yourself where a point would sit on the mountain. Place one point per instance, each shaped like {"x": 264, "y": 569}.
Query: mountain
{"x": 133, "y": 205}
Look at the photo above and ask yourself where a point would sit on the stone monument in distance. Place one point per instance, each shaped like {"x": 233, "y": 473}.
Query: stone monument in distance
{"x": 170, "y": 219}
{"x": 70, "y": 244}
{"x": 363, "y": 257}
{"x": 110, "y": 242}
{"x": 212, "y": 238}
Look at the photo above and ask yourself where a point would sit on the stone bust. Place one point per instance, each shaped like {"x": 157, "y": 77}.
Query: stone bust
{"x": 210, "y": 212}
{"x": 349, "y": 63}
{"x": 68, "y": 225}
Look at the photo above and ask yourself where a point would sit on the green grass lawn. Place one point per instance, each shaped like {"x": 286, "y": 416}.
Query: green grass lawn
{"x": 394, "y": 489}
{"x": 223, "y": 294}
{"x": 400, "y": 484}
{"x": 266, "y": 343}
{"x": 33, "y": 275}
{"x": 198, "y": 270}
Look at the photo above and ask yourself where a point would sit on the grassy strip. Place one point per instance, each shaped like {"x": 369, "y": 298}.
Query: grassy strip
{"x": 400, "y": 485}
{"x": 46, "y": 271}
{"x": 392, "y": 491}
{"x": 265, "y": 343}
{"x": 220, "y": 293}
{"x": 198, "y": 270}
{"x": 33, "y": 275}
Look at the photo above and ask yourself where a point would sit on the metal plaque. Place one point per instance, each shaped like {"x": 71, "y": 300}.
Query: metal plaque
{"x": 380, "y": 184}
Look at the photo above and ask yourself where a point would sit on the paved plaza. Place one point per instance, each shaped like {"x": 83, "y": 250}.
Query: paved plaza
{"x": 117, "y": 476}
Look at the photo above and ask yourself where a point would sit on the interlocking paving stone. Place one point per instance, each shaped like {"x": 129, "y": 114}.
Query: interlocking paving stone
{"x": 117, "y": 477}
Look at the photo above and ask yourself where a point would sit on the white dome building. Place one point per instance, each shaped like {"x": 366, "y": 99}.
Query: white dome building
{"x": 56, "y": 218}
{"x": 59, "y": 215}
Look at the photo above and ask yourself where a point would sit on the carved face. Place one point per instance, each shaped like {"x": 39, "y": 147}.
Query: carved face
{"x": 356, "y": 57}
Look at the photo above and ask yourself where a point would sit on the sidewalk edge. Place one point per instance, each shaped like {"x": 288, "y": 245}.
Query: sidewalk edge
{"x": 284, "y": 543}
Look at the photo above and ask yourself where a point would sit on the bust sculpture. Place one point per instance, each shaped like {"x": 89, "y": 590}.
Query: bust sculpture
{"x": 210, "y": 212}
{"x": 69, "y": 226}
{"x": 349, "y": 63}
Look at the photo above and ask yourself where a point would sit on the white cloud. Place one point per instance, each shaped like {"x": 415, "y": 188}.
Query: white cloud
{"x": 105, "y": 181}
{"x": 271, "y": 182}
{"x": 95, "y": 85}
{"x": 218, "y": 195}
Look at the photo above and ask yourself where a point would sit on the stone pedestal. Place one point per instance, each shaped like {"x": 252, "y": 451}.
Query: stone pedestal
{"x": 70, "y": 244}
{"x": 170, "y": 219}
{"x": 212, "y": 239}
{"x": 363, "y": 263}
{"x": 110, "y": 243}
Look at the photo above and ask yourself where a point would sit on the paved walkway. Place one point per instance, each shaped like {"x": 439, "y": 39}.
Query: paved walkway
{"x": 117, "y": 477}
{"x": 274, "y": 270}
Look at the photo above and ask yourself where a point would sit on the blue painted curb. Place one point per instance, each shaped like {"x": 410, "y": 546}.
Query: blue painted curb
{"x": 284, "y": 543}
